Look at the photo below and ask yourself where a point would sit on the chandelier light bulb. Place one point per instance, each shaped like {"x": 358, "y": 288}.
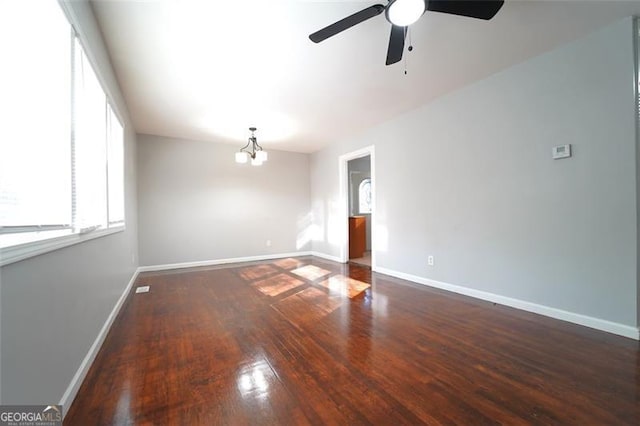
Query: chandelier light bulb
{"x": 241, "y": 157}
{"x": 262, "y": 155}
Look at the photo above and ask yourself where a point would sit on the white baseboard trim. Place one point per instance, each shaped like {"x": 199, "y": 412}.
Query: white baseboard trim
{"x": 326, "y": 256}
{"x": 72, "y": 390}
{"x": 221, "y": 261}
{"x": 598, "y": 324}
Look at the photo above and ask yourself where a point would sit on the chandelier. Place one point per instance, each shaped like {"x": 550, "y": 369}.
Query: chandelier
{"x": 253, "y": 150}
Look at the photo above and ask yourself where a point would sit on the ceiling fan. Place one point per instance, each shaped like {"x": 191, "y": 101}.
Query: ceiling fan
{"x": 402, "y": 13}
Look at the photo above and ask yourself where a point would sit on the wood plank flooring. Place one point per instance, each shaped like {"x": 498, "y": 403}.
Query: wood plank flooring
{"x": 266, "y": 343}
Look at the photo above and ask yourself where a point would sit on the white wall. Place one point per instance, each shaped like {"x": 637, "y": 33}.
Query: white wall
{"x": 469, "y": 179}
{"x": 54, "y": 305}
{"x": 196, "y": 204}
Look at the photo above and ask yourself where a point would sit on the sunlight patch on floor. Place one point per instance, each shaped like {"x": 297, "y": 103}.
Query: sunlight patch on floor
{"x": 311, "y": 272}
{"x": 288, "y": 263}
{"x": 255, "y": 272}
{"x": 308, "y": 305}
{"x": 344, "y": 286}
{"x": 273, "y": 286}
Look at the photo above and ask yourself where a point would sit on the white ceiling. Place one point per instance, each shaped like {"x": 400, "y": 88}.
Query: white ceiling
{"x": 207, "y": 69}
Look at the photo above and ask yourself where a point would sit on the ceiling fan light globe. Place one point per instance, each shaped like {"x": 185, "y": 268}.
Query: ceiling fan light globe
{"x": 403, "y": 13}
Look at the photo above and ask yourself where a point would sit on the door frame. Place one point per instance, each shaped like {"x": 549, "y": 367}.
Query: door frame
{"x": 343, "y": 174}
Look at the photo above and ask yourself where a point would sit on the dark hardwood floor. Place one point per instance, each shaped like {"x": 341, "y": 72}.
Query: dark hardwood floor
{"x": 279, "y": 343}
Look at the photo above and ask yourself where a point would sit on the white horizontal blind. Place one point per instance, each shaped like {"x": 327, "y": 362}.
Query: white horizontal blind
{"x": 61, "y": 142}
{"x": 115, "y": 147}
{"x": 35, "y": 108}
{"x": 90, "y": 145}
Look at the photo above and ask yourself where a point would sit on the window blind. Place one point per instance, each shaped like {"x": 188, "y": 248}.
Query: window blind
{"x": 35, "y": 106}
{"x": 61, "y": 140}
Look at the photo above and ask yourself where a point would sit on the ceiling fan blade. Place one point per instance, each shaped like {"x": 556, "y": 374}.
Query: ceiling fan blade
{"x": 347, "y": 23}
{"x": 396, "y": 44}
{"x": 481, "y": 9}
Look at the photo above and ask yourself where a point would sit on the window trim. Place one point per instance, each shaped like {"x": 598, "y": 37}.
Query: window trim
{"x": 47, "y": 243}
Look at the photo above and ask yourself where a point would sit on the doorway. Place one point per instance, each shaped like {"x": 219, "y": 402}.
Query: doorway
{"x": 358, "y": 198}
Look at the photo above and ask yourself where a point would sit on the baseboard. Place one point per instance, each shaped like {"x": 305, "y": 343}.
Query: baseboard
{"x": 70, "y": 394}
{"x": 596, "y": 323}
{"x": 326, "y": 256}
{"x": 221, "y": 261}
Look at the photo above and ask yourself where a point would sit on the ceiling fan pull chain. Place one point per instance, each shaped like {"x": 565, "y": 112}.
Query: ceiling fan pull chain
{"x": 410, "y": 48}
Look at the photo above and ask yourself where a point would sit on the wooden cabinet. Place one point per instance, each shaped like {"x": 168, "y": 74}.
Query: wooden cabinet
{"x": 357, "y": 236}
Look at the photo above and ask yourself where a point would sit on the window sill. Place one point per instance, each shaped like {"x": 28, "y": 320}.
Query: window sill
{"x": 48, "y": 243}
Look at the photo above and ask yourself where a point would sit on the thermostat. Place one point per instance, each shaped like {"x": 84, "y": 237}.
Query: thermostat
{"x": 561, "y": 151}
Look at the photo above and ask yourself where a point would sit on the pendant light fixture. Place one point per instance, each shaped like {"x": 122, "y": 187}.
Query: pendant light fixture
{"x": 252, "y": 150}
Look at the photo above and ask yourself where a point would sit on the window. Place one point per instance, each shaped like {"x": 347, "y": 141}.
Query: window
{"x": 90, "y": 144}
{"x": 61, "y": 142}
{"x": 364, "y": 196}
{"x": 35, "y": 106}
{"x": 115, "y": 170}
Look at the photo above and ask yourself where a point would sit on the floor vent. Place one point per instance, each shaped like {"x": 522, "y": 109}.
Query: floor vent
{"x": 142, "y": 289}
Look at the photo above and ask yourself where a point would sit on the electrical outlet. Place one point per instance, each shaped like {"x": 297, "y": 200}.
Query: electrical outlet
{"x": 268, "y": 243}
{"x": 430, "y": 260}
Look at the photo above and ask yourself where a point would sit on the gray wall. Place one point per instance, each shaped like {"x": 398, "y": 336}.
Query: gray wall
{"x": 196, "y": 204}
{"x": 54, "y": 305}
{"x": 469, "y": 179}
{"x": 359, "y": 170}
